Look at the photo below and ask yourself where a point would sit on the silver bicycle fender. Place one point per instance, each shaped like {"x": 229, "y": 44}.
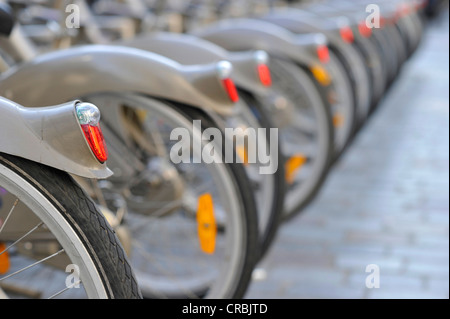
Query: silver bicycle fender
{"x": 190, "y": 50}
{"x": 253, "y": 34}
{"x": 65, "y": 75}
{"x": 51, "y": 136}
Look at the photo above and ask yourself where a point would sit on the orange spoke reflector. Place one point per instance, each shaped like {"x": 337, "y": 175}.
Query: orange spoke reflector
{"x": 206, "y": 224}
{"x": 338, "y": 120}
{"x": 4, "y": 260}
{"x": 142, "y": 115}
{"x": 321, "y": 75}
{"x": 243, "y": 154}
{"x": 293, "y": 166}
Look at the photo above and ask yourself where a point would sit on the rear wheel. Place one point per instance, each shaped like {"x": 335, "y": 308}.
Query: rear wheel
{"x": 54, "y": 240}
{"x": 269, "y": 188}
{"x": 343, "y": 104}
{"x": 190, "y": 223}
{"x": 303, "y": 117}
{"x": 373, "y": 59}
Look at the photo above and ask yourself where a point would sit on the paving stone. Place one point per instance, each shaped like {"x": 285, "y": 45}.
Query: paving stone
{"x": 325, "y": 291}
{"x": 438, "y": 241}
{"x": 429, "y": 268}
{"x": 357, "y": 248}
{"x": 438, "y": 286}
{"x": 403, "y": 294}
{"x": 301, "y": 259}
{"x": 419, "y": 252}
{"x": 388, "y": 281}
{"x": 306, "y": 275}
{"x": 359, "y": 262}
{"x": 377, "y": 237}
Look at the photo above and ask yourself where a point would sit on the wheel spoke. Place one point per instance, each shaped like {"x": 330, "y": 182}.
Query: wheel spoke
{"x": 65, "y": 289}
{"x": 18, "y": 240}
{"x": 166, "y": 208}
{"x": 32, "y": 265}
{"x": 161, "y": 268}
{"x": 9, "y": 214}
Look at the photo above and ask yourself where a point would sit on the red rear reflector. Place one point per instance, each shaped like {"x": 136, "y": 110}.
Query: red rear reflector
{"x": 231, "y": 90}
{"x": 402, "y": 10}
{"x": 347, "y": 34}
{"x": 96, "y": 141}
{"x": 364, "y": 30}
{"x": 323, "y": 53}
{"x": 89, "y": 118}
{"x": 262, "y": 61}
{"x": 422, "y": 4}
{"x": 264, "y": 75}
{"x": 224, "y": 69}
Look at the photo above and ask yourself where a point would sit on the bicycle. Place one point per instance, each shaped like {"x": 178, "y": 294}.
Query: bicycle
{"x": 48, "y": 224}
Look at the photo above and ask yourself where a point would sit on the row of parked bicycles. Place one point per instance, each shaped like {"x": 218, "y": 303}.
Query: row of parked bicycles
{"x": 152, "y": 149}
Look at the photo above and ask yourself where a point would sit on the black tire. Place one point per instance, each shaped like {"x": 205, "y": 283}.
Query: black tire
{"x": 250, "y": 218}
{"x": 297, "y": 83}
{"x": 279, "y": 190}
{"x": 80, "y": 212}
{"x": 330, "y": 154}
{"x": 158, "y": 275}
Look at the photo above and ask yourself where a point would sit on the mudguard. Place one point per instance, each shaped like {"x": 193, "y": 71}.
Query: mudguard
{"x": 299, "y": 21}
{"x": 48, "y": 135}
{"x": 254, "y": 34}
{"x": 190, "y": 50}
{"x": 61, "y": 76}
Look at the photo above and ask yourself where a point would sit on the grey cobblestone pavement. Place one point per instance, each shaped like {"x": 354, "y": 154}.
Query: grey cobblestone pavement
{"x": 386, "y": 202}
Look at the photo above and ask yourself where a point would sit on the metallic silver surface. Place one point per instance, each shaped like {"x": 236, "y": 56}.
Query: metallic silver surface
{"x": 69, "y": 74}
{"x": 48, "y": 135}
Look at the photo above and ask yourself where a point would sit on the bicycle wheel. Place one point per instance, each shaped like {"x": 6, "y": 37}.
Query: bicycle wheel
{"x": 354, "y": 64}
{"x": 192, "y": 222}
{"x": 54, "y": 240}
{"x": 373, "y": 58}
{"x": 269, "y": 189}
{"x": 306, "y": 132}
{"x": 343, "y": 104}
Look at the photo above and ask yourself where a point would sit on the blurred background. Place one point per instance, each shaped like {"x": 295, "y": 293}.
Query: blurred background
{"x": 386, "y": 202}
